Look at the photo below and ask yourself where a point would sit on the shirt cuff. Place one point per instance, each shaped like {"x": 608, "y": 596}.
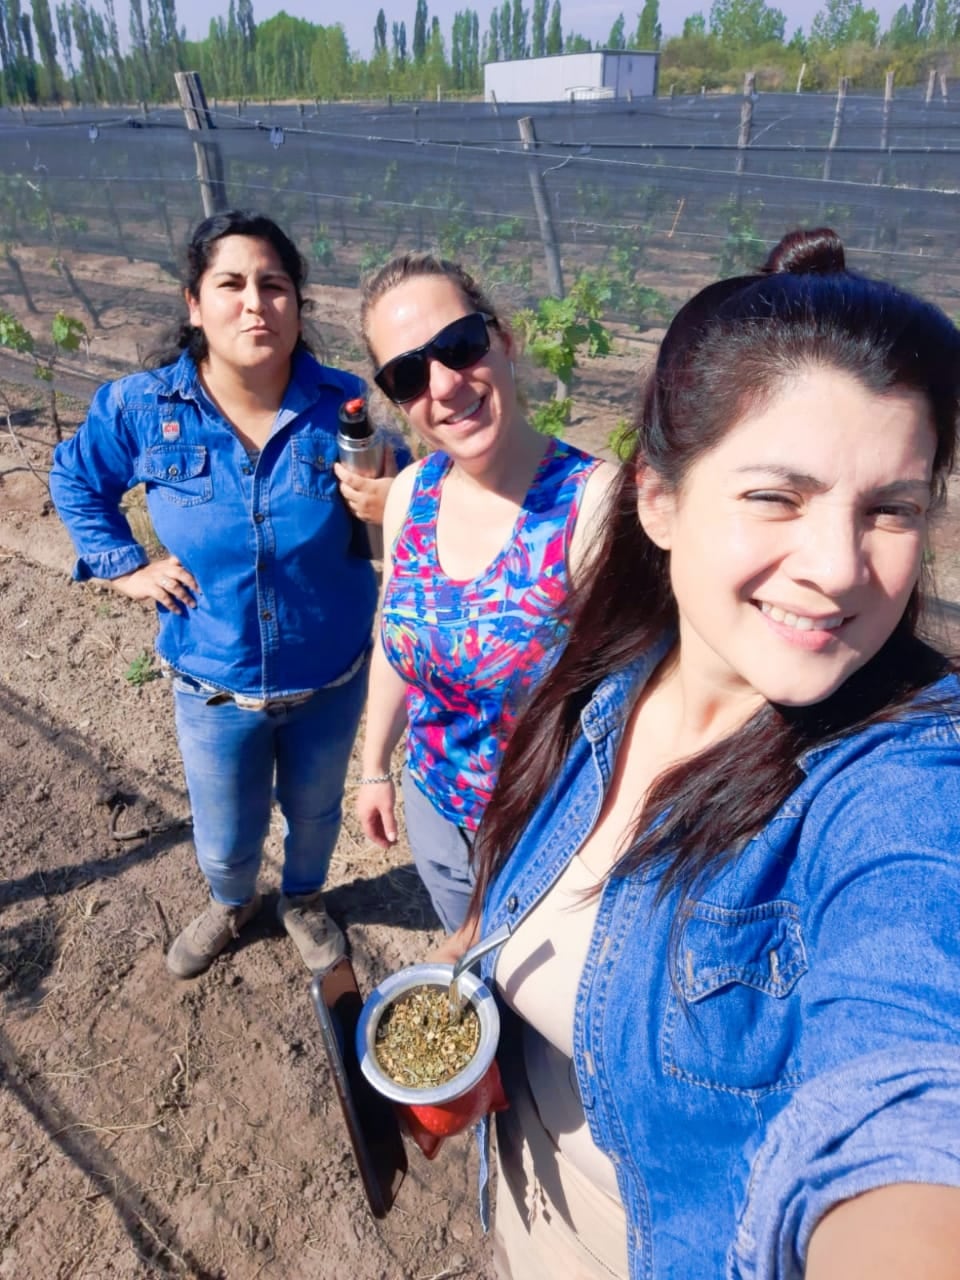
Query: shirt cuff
{"x": 888, "y": 1117}
{"x": 110, "y": 564}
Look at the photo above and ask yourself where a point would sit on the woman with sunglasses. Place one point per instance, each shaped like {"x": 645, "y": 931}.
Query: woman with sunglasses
{"x": 483, "y": 536}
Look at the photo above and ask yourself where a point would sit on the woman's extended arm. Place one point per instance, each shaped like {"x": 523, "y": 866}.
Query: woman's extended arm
{"x": 908, "y": 1231}
{"x": 386, "y": 709}
{"x": 859, "y": 1175}
{"x": 597, "y": 494}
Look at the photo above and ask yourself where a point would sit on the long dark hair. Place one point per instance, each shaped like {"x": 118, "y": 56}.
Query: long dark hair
{"x": 197, "y": 258}
{"x": 727, "y": 351}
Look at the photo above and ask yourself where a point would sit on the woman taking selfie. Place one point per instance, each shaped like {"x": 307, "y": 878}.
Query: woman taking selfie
{"x": 482, "y": 539}
{"x": 727, "y": 828}
{"x": 264, "y": 612}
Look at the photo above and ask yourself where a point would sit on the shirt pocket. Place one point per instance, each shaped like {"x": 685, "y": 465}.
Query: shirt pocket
{"x": 732, "y": 1019}
{"x": 179, "y": 473}
{"x": 313, "y": 459}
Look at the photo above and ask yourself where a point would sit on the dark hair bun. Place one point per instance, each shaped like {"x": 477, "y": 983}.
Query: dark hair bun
{"x": 807, "y": 253}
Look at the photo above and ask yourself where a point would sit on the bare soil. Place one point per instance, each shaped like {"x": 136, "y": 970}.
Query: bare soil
{"x": 150, "y": 1127}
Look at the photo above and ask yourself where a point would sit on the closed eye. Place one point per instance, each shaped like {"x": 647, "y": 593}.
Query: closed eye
{"x": 901, "y": 515}
{"x": 774, "y": 497}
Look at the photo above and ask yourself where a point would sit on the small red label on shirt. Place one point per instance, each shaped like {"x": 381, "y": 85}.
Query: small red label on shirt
{"x": 170, "y": 430}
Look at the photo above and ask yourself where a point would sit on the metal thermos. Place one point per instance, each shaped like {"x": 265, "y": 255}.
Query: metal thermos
{"x": 360, "y": 448}
{"x": 359, "y": 442}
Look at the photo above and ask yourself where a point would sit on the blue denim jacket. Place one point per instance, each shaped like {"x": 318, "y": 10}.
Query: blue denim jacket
{"x": 805, "y": 1047}
{"x": 283, "y": 606}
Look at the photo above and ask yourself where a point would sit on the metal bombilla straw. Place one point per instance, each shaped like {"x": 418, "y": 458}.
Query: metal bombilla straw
{"x": 472, "y": 954}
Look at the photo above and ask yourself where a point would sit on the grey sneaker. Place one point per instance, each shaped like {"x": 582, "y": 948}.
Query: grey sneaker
{"x": 204, "y": 938}
{"x": 318, "y": 939}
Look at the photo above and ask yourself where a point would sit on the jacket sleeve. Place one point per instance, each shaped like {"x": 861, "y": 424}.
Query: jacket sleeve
{"x": 91, "y": 473}
{"x": 881, "y": 1006}
{"x": 889, "y": 1117}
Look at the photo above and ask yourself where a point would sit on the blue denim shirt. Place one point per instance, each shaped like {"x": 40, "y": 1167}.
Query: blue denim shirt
{"x": 283, "y": 606}
{"x": 805, "y": 1046}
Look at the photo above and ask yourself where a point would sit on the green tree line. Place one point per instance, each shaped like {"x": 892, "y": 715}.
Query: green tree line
{"x": 72, "y": 50}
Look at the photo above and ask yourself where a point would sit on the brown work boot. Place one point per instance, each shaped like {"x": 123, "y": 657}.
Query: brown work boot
{"x": 204, "y": 938}
{"x": 318, "y": 939}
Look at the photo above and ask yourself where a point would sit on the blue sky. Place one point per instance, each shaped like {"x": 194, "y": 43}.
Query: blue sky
{"x": 591, "y": 18}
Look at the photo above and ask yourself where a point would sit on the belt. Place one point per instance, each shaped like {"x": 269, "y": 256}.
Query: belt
{"x": 259, "y": 704}
{"x": 248, "y": 703}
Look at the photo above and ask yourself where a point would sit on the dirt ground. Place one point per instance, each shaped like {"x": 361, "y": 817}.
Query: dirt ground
{"x": 147, "y": 1126}
{"x": 150, "y": 1127}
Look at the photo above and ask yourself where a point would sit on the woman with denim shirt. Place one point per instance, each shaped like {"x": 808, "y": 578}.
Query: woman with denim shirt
{"x": 727, "y": 829}
{"x": 264, "y": 612}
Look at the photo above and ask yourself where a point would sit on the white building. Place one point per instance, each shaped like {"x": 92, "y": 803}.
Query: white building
{"x": 564, "y": 77}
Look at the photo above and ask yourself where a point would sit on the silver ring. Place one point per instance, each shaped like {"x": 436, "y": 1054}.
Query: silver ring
{"x": 166, "y": 583}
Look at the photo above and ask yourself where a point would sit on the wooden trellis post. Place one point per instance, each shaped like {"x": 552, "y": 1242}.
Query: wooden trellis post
{"x": 837, "y": 126}
{"x": 548, "y": 235}
{"x": 746, "y": 120}
{"x": 213, "y": 189}
{"x": 541, "y": 204}
{"x": 885, "y": 124}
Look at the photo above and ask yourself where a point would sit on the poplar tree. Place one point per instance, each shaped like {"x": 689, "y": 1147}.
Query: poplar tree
{"x": 472, "y": 61}
{"x": 400, "y": 44}
{"x": 420, "y": 33}
{"x": 649, "y": 33}
{"x": 65, "y": 32}
{"x": 492, "y": 47}
{"x": 519, "y": 30}
{"x": 538, "y": 28}
{"x": 43, "y": 26}
{"x": 119, "y": 62}
{"x": 555, "y": 29}
{"x": 83, "y": 36}
{"x": 29, "y": 62}
{"x": 142, "y": 69}
{"x": 617, "y": 38}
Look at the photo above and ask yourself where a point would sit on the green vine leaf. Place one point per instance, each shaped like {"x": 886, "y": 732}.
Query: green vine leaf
{"x": 13, "y": 335}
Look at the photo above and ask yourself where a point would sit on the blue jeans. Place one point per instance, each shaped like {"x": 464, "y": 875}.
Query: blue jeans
{"x": 441, "y": 851}
{"x": 231, "y": 756}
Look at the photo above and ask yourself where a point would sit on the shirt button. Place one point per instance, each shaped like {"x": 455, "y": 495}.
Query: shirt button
{"x": 266, "y": 615}
{"x": 247, "y": 469}
{"x": 173, "y": 471}
{"x": 512, "y": 903}
{"x": 261, "y": 565}
{"x": 259, "y": 518}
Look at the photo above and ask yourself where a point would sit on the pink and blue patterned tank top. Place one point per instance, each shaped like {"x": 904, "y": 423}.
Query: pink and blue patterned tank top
{"x": 471, "y": 652}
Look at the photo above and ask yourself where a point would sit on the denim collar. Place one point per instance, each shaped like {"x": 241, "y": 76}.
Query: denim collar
{"x": 307, "y": 378}
{"x": 616, "y": 694}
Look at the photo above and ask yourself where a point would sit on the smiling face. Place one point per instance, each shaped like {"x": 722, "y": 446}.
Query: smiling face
{"x": 246, "y": 306}
{"x": 796, "y": 542}
{"x": 463, "y": 412}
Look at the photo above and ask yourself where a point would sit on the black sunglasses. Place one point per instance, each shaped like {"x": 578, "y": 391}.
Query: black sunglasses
{"x": 458, "y": 346}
